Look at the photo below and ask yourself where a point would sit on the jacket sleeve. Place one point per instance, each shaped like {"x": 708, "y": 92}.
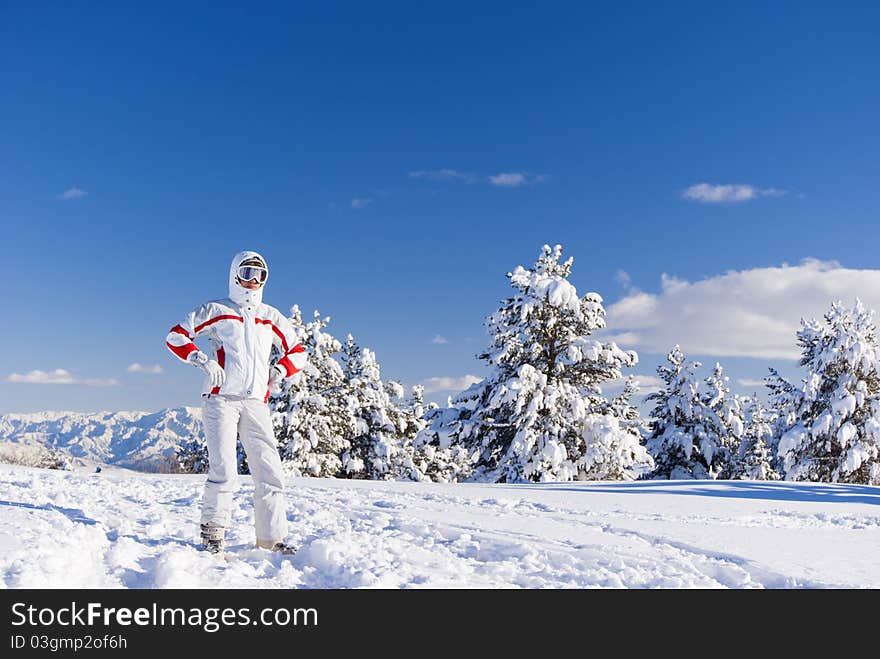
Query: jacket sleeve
{"x": 180, "y": 337}
{"x": 293, "y": 355}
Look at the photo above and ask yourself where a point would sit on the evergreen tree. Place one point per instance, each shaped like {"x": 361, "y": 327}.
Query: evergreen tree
{"x": 311, "y": 416}
{"x": 435, "y": 456}
{"x": 834, "y": 434}
{"x": 413, "y": 410}
{"x": 343, "y": 420}
{"x": 720, "y": 434}
{"x": 376, "y": 448}
{"x": 675, "y": 422}
{"x": 695, "y": 433}
{"x": 417, "y": 459}
{"x": 541, "y": 415}
{"x": 782, "y": 406}
{"x": 192, "y": 456}
{"x": 416, "y": 407}
{"x": 241, "y": 455}
{"x": 755, "y": 459}
{"x": 622, "y": 407}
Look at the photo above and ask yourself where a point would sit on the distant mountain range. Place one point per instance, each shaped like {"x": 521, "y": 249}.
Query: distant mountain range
{"x": 136, "y": 440}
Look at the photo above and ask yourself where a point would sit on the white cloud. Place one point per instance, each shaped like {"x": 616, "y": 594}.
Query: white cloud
{"x": 515, "y": 179}
{"x": 624, "y": 338}
{"x": 361, "y": 202}
{"x": 622, "y": 277}
{"x": 775, "y": 192}
{"x": 59, "y": 376}
{"x": 433, "y": 385}
{"x": 745, "y": 313}
{"x": 443, "y": 175}
{"x": 708, "y": 193}
{"x": 72, "y": 193}
{"x": 503, "y": 179}
{"x": 511, "y": 180}
{"x": 155, "y": 369}
{"x": 649, "y": 381}
{"x": 439, "y": 339}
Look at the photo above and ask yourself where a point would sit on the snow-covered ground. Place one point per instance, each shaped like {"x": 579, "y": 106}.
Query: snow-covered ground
{"x": 126, "y": 529}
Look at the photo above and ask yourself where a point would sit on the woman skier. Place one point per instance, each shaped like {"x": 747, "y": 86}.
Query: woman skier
{"x": 239, "y": 378}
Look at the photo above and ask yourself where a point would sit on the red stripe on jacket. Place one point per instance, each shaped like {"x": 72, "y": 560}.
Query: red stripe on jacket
{"x": 221, "y": 359}
{"x": 287, "y": 364}
{"x": 215, "y": 319}
{"x": 179, "y": 329}
{"x": 287, "y": 350}
{"x": 266, "y": 321}
{"x": 182, "y": 351}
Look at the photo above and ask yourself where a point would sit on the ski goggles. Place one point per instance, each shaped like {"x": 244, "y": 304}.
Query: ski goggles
{"x": 249, "y": 272}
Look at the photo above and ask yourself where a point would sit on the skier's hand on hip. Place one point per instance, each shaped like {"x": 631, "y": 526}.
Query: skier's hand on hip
{"x": 209, "y": 366}
{"x": 276, "y": 377}
{"x": 215, "y": 371}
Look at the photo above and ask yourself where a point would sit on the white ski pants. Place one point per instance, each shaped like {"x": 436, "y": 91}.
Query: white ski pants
{"x": 225, "y": 418}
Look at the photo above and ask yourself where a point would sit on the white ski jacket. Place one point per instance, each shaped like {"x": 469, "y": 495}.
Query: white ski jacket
{"x": 242, "y": 331}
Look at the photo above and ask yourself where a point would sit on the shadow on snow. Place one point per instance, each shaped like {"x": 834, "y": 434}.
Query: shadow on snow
{"x": 772, "y": 490}
{"x": 73, "y": 514}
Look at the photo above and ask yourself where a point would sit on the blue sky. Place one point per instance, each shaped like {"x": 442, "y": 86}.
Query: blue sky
{"x": 393, "y": 161}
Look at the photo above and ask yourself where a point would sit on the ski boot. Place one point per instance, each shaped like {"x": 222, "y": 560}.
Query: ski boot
{"x": 212, "y": 537}
{"x": 279, "y": 546}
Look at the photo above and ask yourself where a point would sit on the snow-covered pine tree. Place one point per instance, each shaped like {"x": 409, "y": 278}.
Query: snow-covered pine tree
{"x": 415, "y": 405}
{"x": 241, "y": 455}
{"x": 413, "y": 409}
{"x": 720, "y": 434}
{"x": 54, "y": 459}
{"x": 435, "y": 456}
{"x": 192, "y": 456}
{"x": 694, "y": 433}
{"x": 622, "y": 406}
{"x": 782, "y": 403}
{"x": 834, "y": 435}
{"x": 311, "y": 415}
{"x": 541, "y": 415}
{"x": 376, "y": 444}
{"x": 416, "y": 460}
{"x": 675, "y": 417}
{"x": 755, "y": 458}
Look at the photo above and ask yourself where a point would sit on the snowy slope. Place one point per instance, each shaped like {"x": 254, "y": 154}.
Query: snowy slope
{"x": 125, "y": 529}
{"x": 138, "y": 440}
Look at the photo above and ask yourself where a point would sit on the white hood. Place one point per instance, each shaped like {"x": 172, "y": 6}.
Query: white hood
{"x": 238, "y": 294}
